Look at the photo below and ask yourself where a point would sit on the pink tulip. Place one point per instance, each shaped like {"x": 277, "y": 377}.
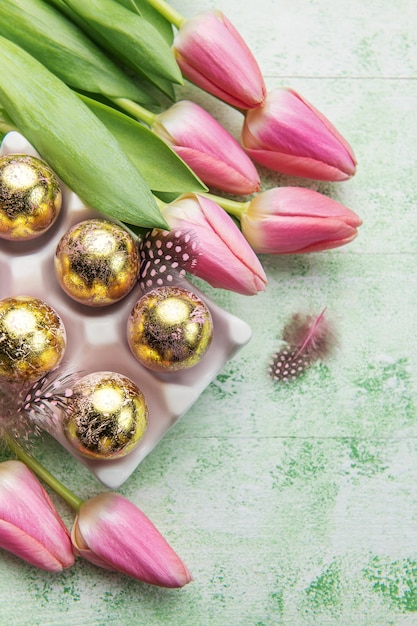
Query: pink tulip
{"x": 210, "y": 151}
{"x": 225, "y": 258}
{"x": 288, "y": 135}
{"x": 213, "y": 55}
{"x": 30, "y": 527}
{"x": 113, "y": 533}
{"x": 297, "y": 220}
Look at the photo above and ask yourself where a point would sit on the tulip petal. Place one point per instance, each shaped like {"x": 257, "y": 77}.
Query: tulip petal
{"x": 113, "y": 533}
{"x": 213, "y": 55}
{"x": 226, "y": 259}
{"x": 18, "y": 542}
{"x": 211, "y": 152}
{"x": 287, "y": 236}
{"x": 292, "y": 220}
{"x": 332, "y": 129}
{"x": 216, "y": 173}
{"x": 300, "y": 201}
{"x": 82, "y": 549}
{"x": 289, "y": 135}
{"x": 30, "y": 527}
{"x": 302, "y": 167}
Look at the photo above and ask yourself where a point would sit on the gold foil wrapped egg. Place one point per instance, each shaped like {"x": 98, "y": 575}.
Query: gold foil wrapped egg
{"x": 32, "y": 339}
{"x": 106, "y": 416}
{"x": 97, "y": 262}
{"x": 30, "y": 197}
{"x": 169, "y": 329}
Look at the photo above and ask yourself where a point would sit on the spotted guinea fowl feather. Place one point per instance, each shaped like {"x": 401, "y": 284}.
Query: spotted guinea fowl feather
{"x": 166, "y": 255}
{"x": 308, "y": 338}
{"x": 27, "y": 409}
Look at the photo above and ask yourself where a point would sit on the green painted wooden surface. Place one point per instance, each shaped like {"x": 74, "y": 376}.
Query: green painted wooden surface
{"x": 292, "y": 505}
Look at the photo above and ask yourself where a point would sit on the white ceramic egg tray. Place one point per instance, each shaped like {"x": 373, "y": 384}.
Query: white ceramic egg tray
{"x": 96, "y": 337}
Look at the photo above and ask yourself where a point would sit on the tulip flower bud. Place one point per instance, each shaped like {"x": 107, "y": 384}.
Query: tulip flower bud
{"x": 210, "y": 151}
{"x": 296, "y": 220}
{"x": 225, "y": 259}
{"x": 213, "y": 55}
{"x": 113, "y": 533}
{"x": 288, "y": 135}
{"x": 30, "y": 527}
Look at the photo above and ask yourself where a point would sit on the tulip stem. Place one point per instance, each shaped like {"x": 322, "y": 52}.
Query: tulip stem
{"x": 136, "y": 110}
{"x": 233, "y": 207}
{"x": 159, "y": 203}
{"x": 168, "y": 12}
{"x": 70, "y": 498}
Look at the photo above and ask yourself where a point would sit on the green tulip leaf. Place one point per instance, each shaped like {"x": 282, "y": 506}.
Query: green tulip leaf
{"x": 159, "y": 165}
{"x": 75, "y": 143}
{"x": 165, "y": 86}
{"x": 65, "y": 50}
{"x": 130, "y": 36}
{"x": 6, "y": 123}
{"x": 143, "y": 8}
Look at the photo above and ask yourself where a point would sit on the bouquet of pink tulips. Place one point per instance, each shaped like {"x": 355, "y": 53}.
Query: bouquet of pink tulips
{"x": 115, "y": 133}
{"x": 179, "y": 149}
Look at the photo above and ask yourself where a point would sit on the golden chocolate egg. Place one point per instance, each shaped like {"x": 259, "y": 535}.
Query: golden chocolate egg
{"x": 97, "y": 262}
{"x": 106, "y": 416}
{"x": 169, "y": 329}
{"x": 32, "y": 339}
{"x": 30, "y": 197}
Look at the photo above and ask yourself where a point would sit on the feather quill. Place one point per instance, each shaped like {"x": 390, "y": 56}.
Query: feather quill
{"x": 308, "y": 338}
